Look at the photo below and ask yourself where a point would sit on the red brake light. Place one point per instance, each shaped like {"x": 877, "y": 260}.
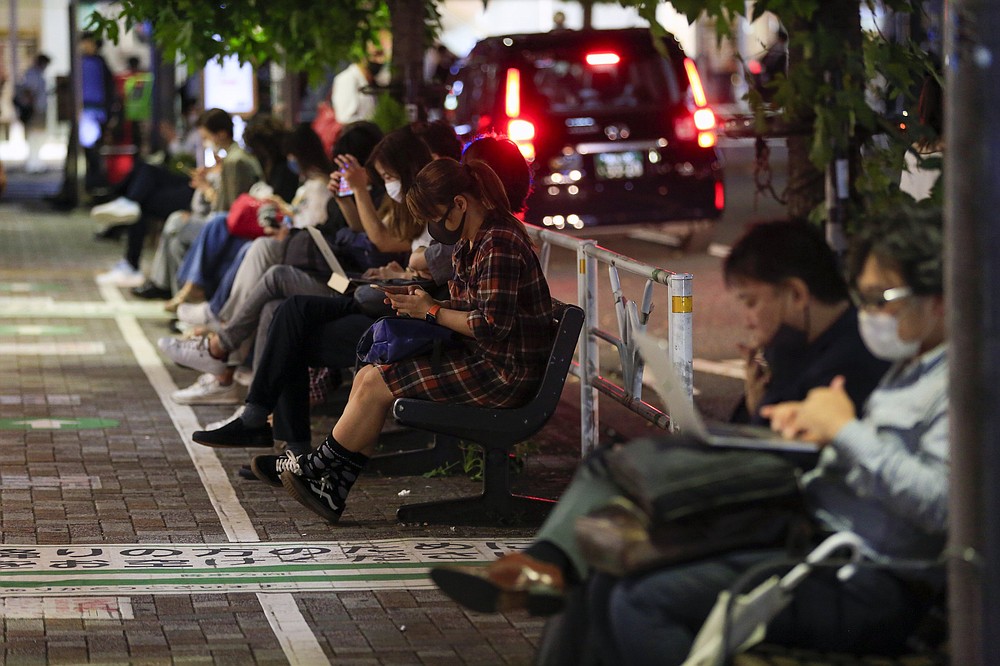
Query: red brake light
{"x": 598, "y": 59}
{"x": 520, "y": 130}
{"x": 512, "y": 98}
{"x": 522, "y": 133}
{"x": 720, "y": 195}
{"x": 704, "y": 119}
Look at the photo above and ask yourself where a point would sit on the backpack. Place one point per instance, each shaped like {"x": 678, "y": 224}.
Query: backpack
{"x": 685, "y": 501}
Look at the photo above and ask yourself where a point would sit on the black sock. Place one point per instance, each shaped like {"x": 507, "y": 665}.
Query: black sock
{"x": 254, "y": 416}
{"x": 340, "y": 467}
{"x": 548, "y": 552}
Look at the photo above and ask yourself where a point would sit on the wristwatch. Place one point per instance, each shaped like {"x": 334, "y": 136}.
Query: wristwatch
{"x": 432, "y": 313}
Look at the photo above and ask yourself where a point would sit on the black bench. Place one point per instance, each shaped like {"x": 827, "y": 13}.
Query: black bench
{"x": 497, "y": 431}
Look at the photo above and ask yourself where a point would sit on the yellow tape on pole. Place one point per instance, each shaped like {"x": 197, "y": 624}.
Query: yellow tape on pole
{"x": 682, "y": 304}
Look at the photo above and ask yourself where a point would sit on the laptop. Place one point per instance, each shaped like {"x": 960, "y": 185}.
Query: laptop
{"x": 686, "y": 418}
{"x": 340, "y": 280}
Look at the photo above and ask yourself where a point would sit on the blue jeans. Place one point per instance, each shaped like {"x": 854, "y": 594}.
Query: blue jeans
{"x": 211, "y": 255}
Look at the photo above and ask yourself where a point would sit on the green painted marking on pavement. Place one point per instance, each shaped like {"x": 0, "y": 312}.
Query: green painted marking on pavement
{"x": 28, "y": 287}
{"x": 39, "y": 329}
{"x": 47, "y": 423}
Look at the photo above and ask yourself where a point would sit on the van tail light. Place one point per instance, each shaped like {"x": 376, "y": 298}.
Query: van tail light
{"x": 602, "y": 59}
{"x": 519, "y": 130}
{"x": 702, "y": 126}
{"x": 720, "y": 195}
{"x": 522, "y": 133}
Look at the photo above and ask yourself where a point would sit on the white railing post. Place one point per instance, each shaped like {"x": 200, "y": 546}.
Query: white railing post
{"x": 588, "y": 353}
{"x": 681, "y": 330}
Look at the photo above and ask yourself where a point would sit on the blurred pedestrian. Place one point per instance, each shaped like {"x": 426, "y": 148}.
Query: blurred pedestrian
{"x": 31, "y": 99}
{"x": 98, "y": 107}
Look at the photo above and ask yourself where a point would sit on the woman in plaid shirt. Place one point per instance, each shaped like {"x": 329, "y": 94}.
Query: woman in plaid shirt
{"x": 499, "y": 302}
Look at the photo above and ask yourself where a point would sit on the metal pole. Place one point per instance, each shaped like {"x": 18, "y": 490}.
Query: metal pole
{"x": 972, "y": 199}
{"x": 588, "y": 353}
{"x": 15, "y": 74}
{"x": 681, "y": 329}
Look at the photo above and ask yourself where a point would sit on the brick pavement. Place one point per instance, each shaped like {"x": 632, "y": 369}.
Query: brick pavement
{"x": 129, "y": 477}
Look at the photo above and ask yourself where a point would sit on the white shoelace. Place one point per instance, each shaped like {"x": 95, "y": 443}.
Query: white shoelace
{"x": 289, "y": 462}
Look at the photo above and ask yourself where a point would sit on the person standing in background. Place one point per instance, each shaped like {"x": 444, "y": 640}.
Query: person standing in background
{"x": 350, "y": 101}
{"x": 31, "y": 99}
{"x": 99, "y": 102}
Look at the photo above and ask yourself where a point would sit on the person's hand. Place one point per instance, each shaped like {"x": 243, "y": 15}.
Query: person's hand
{"x": 818, "y": 418}
{"x": 415, "y": 302}
{"x": 390, "y": 271}
{"x": 199, "y": 178}
{"x": 355, "y": 174}
{"x": 758, "y": 376}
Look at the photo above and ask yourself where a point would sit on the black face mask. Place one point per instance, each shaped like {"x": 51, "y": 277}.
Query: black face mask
{"x": 442, "y": 234}
{"x": 374, "y": 68}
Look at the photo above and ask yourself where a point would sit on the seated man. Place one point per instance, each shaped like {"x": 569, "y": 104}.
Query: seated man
{"x": 882, "y": 475}
{"x": 797, "y": 313}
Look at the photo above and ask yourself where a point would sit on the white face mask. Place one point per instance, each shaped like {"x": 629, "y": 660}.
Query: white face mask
{"x": 394, "y": 189}
{"x": 880, "y": 333}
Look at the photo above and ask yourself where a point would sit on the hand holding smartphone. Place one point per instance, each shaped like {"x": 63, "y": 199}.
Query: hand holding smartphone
{"x": 343, "y": 187}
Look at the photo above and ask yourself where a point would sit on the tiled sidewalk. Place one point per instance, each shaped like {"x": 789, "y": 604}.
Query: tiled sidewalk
{"x": 105, "y": 504}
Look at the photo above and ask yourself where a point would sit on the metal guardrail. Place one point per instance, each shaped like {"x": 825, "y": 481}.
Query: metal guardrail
{"x": 631, "y": 318}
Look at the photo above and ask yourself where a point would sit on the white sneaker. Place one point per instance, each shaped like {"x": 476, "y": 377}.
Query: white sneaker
{"x": 215, "y": 425}
{"x": 244, "y": 376}
{"x": 208, "y": 391}
{"x": 197, "y": 314}
{"x": 191, "y": 353}
{"x": 119, "y": 211}
{"x": 122, "y": 275}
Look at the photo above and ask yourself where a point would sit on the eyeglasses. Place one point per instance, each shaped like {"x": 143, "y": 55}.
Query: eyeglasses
{"x": 879, "y": 299}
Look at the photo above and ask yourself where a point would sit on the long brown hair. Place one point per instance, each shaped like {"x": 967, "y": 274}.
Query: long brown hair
{"x": 442, "y": 180}
{"x": 403, "y": 154}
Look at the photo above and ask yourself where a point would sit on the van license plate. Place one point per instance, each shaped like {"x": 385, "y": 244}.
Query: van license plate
{"x": 612, "y": 166}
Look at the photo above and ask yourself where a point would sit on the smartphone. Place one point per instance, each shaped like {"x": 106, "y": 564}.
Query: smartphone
{"x": 344, "y": 188}
{"x": 391, "y": 289}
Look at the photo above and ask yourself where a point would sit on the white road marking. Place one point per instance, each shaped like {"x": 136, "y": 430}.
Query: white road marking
{"x": 66, "y": 608}
{"x": 234, "y": 518}
{"x": 52, "y": 348}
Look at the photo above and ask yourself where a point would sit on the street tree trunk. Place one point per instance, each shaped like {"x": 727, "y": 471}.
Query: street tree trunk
{"x": 408, "y": 45}
{"x": 840, "y": 21}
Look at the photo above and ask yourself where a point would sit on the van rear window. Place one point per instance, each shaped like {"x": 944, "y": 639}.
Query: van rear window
{"x": 566, "y": 83}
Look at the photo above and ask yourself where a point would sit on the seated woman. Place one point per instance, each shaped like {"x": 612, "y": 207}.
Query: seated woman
{"x": 323, "y": 331}
{"x": 798, "y": 316}
{"x": 398, "y": 158}
{"x": 499, "y": 304}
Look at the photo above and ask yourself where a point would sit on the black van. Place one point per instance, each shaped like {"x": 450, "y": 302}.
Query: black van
{"x": 616, "y": 132}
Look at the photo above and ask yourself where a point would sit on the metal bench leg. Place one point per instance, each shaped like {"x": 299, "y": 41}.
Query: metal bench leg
{"x": 443, "y": 452}
{"x": 496, "y": 505}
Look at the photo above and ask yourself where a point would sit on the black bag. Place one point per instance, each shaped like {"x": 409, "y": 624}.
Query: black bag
{"x": 392, "y": 339}
{"x": 686, "y": 501}
{"x": 24, "y": 103}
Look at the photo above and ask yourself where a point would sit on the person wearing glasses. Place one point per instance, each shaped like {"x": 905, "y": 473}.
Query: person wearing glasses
{"x": 882, "y": 474}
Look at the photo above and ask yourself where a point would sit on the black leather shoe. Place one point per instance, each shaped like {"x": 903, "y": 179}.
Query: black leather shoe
{"x": 235, "y": 434}
{"x": 151, "y": 291}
